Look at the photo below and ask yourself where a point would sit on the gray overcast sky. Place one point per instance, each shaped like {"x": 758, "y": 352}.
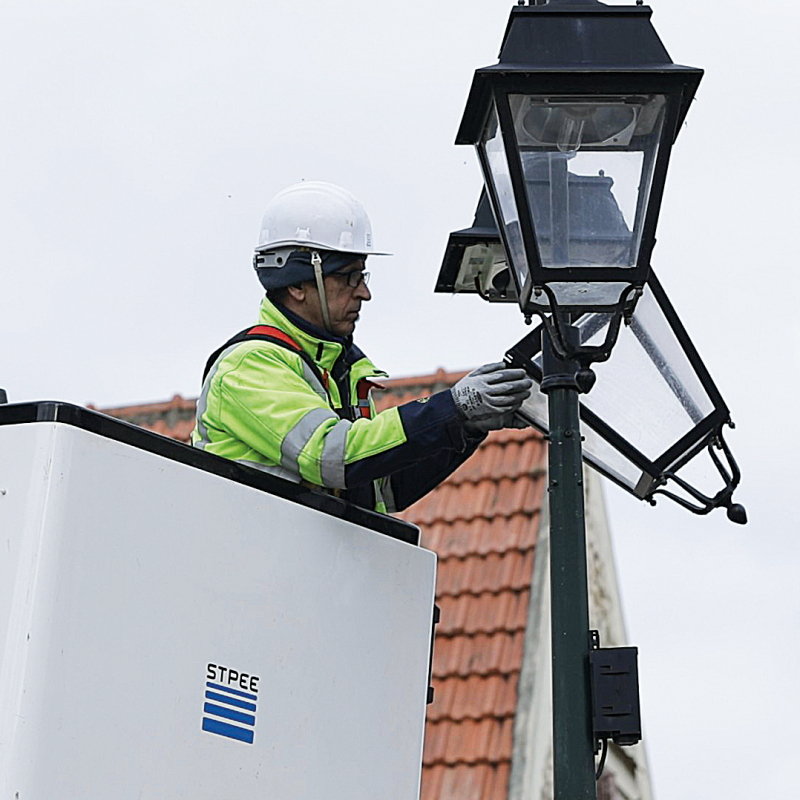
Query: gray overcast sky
{"x": 141, "y": 140}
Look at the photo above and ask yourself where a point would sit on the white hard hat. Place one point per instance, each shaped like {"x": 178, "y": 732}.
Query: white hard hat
{"x": 316, "y": 215}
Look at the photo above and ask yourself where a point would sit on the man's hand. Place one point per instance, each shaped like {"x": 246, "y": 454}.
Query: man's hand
{"x": 488, "y": 397}
{"x": 510, "y": 419}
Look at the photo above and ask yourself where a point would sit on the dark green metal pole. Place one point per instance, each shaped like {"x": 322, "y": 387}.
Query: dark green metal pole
{"x": 573, "y": 751}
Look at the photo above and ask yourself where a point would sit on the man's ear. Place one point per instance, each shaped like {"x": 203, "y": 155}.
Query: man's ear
{"x": 297, "y": 292}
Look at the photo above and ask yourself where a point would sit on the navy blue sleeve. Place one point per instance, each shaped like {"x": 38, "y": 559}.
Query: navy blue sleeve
{"x": 414, "y": 482}
{"x": 432, "y": 425}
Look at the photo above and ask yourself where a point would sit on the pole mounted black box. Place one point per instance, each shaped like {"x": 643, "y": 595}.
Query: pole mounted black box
{"x": 615, "y": 694}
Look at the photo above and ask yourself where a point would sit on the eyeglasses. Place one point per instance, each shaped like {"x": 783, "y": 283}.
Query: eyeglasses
{"x": 354, "y": 278}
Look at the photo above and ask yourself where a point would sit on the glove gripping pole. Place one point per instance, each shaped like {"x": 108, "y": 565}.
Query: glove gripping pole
{"x": 573, "y": 741}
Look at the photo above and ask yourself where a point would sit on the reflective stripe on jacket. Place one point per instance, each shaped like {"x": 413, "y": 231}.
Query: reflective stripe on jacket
{"x": 261, "y": 404}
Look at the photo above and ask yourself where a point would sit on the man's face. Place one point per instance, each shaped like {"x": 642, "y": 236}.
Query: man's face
{"x": 344, "y": 301}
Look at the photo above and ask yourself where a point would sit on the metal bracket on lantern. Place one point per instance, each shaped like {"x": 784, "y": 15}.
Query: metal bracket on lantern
{"x": 556, "y": 323}
{"x": 729, "y": 473}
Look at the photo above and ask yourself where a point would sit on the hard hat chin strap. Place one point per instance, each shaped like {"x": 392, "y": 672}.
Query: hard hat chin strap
{"x": 316, "y": 262}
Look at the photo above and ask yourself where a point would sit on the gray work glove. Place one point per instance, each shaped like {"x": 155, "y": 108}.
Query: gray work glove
{"x": 487, "y": 398}
{"x": 509, "y": 419}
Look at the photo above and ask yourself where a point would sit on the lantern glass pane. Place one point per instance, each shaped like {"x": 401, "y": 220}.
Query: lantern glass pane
{"x": 588, "y": 166}
{"x": 596, "y": 450}
{"x": 648, "y": 391}
{"x": 496, "y": 173}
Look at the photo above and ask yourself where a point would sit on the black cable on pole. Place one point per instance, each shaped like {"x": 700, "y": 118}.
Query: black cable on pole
{"x": 602, "y": 760}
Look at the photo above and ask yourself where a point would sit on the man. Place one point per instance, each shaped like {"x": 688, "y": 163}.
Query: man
{"x": 291, "y": 396}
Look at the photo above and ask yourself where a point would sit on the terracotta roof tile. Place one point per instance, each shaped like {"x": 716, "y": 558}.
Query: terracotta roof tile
{"x": 474, "y": 697}
{"x": 180, "y": 430}
{"x": 483, "y": 613}
{"x": 468, "y": 741}
{"x": 502, "y": 743}
{"x": 497, "y": 784}
{"x": 501, "y": 457}
{"x": 487, "y": 498}
{"x": 432, "y": 782}
{"x": 160, "y": 408}
{"x": 476, "y": 574}
{"x": 482, "y": 654}
{"x": 482, "y": 523}
{"x": 462, "y": 783}
{"x": 464, "y": 742}
{"x": 485, "y": 781}
{"x": 173, "y": 418}
{"x": 481, "y": 536}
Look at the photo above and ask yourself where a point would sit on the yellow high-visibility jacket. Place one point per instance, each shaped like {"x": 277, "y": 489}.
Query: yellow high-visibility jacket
{"x": 299, "y": 408}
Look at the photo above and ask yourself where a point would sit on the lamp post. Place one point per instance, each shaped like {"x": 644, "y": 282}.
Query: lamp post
{"x": 573, "y": 736}
{"x": 573, "y": 129}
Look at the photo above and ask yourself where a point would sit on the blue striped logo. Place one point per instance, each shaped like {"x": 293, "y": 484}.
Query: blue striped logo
{"x": 229, "y": 712}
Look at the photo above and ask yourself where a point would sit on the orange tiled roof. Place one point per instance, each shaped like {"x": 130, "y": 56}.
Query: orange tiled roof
{"x": 482, "y": 523}
{"x": 173, "y": 418}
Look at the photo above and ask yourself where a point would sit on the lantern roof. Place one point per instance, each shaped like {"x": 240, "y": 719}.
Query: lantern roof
{"x": 579, "y": 38}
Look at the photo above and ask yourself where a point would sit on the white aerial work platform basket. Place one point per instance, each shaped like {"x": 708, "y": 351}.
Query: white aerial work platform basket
{"x": 175, "y": 625}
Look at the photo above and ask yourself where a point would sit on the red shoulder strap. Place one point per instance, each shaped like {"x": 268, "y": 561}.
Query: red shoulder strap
{"x": 268, "y": 333}
{"x": 275, "y": 333}
{"x": 362, "y": 390}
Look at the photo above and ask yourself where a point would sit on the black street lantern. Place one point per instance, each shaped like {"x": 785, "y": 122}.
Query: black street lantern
{"x": 655, "y": 410}
{"x": 573, "y": 129}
